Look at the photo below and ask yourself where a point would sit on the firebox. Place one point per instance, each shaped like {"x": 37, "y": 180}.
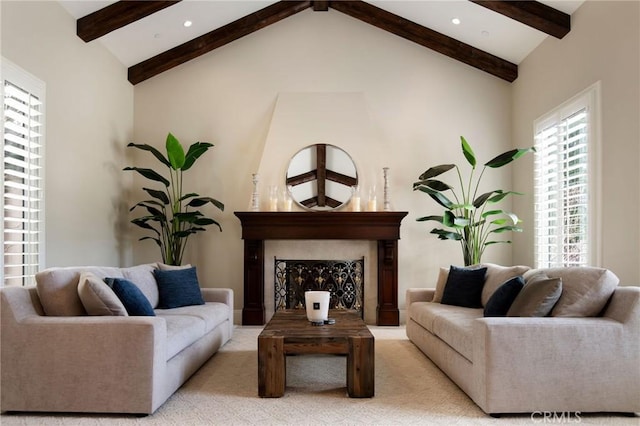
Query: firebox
{"x": 344, "y": 279}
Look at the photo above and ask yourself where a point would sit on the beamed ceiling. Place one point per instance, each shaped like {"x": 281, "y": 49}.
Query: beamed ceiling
{"x": 120, "y": 14}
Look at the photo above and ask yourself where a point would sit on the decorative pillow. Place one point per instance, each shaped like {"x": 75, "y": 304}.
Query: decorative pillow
{"x": 442, "y": 281}
{"x": 98, "y": 298}
{"x": 500, "y": 301}
{"x": 464, "y": 287}
{"x": 178, "y": 287}
{"x": 585, "y": 290}
{"x": 142, "y": 277}
{"x": 537, "y": 297}
{"x": 498, "y": 275}
{"x": 134, "y": 301}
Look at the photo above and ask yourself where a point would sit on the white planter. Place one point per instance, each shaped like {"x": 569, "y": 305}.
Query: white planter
{"x": 317, "y": 304}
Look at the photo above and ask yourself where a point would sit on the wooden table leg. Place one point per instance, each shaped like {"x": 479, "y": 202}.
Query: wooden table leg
{"x": 361, "y": 367}
{"x": 271, "y": 367}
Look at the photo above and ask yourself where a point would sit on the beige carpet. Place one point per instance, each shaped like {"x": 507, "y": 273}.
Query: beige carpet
{"x": 409, "y": 390}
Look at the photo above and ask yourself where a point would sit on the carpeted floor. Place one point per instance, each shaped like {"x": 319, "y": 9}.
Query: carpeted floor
{"x": 409, "y": 390}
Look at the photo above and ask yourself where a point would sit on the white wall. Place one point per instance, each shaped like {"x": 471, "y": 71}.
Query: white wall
{"x": 603, "y": 45}
{"x": 89, "y": 121}
{"x": 420, "y": 102}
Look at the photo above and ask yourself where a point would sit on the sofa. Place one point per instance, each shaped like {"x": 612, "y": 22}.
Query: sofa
{"x": 60, "y": 353}
{"x": 581, "y": 353}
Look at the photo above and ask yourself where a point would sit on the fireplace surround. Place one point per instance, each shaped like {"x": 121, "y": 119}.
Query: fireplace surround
{"x": 382, "y": 227}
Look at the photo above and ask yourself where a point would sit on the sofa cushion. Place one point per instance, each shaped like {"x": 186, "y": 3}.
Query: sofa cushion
{"x": 498, "y": 275}
{"x": 182, "y": 331}
{"x": 178, "y": 288}
{"x": 58, "y": 288}
{"x": 502, "y": 299}
{"x": 98, "y": 298}
{"x": 135, "y": 302}
{"x": 212, "y": 313}
{"x": 142, "y": 277}
{"x": 538, "y": 296}
{"x": 455, "y": 328}
{"x": 464, "y": 287}
{"x": 585, "y": 290}
{"x": 443, "y": 274}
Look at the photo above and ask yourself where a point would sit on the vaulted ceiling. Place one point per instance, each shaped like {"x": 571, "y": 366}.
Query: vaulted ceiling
{"x": 149, "y": 36}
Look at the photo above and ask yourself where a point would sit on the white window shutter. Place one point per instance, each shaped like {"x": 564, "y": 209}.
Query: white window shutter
{"x": 23, "y": 174}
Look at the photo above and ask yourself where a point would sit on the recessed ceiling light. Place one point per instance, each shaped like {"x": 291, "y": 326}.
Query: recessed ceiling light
{"x": 187, "y": 23}
{"x": 455, "y": 21}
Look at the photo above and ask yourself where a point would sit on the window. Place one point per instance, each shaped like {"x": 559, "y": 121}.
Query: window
{"x": 22, "y": 170}
{"x": 566, "y": 183}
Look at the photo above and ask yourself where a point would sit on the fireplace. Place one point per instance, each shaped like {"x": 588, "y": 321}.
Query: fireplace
{"x": 381, "y": 228}
{"x": 344, "y": 279}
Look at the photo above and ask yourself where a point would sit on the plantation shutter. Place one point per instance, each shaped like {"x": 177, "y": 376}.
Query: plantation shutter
{"x": 561, "y": 187}
{"x": 22, "y": 167}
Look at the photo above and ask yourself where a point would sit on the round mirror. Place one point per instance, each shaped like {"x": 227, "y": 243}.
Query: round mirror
{"x": 320, "y": 177}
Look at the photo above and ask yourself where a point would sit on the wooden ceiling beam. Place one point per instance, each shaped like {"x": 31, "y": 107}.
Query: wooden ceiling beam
{"x": 117, "y": 15}
{"x": 214, "y": 39}
{"x": 532, "y": 13}
{"x": 428, "y": 38}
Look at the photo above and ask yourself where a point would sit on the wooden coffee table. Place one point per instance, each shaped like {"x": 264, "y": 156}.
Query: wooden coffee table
{"x": 289, "y": 332}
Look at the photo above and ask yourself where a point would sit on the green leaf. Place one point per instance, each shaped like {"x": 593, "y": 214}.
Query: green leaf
{"x": 446, "y": 235}
{"x": 478, "y": 202}
{"x": 142, "y": 223}
{"x": 438, "y": 197}
{"x": 492, "y": 213}
{"x": 194, "y": 152}
{"x": 205, "y": 221}
{"x": 449, "y": 219}
{"x": 151, "y": 238}
{"x": 468, "y": 152}
{"x": 500, "y": 195}
{"x": 507, "y": 157}
{"x": 506, "y": 229}
{"x": 433, "y": 184}
{"x": 175, "y": 152}
{"x": 435, "y": 171}
{"x": 150, "y": 174}
{"x": 197, "y": 202}
{"x": 160, "y": 195}
{"x": 145, "y": 204}
{"x": 488, "y": 243}
{"x": 426, "y": 218}
{"x": 154, "y": 151}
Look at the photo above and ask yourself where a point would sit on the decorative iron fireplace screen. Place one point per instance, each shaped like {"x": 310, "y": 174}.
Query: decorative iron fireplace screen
{"x": 343, "y": 278}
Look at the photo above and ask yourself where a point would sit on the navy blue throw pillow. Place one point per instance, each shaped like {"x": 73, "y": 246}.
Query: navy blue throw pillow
{"x": 464, "y": 287}
{"x": 178, "y": 287}
{"x": 131, "y": 296}
{"x": 501, "y": 300}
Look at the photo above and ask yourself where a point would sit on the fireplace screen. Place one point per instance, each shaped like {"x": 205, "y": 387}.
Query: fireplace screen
{"x": 343, "y": 278}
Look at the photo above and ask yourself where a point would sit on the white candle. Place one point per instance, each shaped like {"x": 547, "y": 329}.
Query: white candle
{"x": 355, "y": 204}
{"x": 372, "y": 205}
{"x": 287, "y": 204}
{"x": 273, "y": 204}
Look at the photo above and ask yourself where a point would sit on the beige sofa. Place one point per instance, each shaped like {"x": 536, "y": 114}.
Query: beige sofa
{"x": 564, "y": 363}
{"x": 56, "y": 358}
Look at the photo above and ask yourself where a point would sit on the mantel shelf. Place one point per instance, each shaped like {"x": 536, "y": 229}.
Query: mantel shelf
{"x": 383, "y": 227}
{"x": 321, "y": 225}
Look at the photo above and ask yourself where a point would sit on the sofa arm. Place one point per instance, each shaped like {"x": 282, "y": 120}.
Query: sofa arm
{"x": 86, "y": 364}
{"x": 556, "y": 364}
{"x": 419, "y": 295}
{"x": 221, "y": 295}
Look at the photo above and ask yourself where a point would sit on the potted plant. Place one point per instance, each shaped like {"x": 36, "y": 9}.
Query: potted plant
{"x": 467, "y": 217}
{"x": 171, "y": 215}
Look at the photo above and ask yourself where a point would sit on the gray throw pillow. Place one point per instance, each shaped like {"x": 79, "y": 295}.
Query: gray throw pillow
{"x": 537, "y": 298}
{"x": 98, "y": 298}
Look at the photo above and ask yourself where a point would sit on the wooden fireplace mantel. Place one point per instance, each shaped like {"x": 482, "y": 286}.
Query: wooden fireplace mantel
{"x": 383, "y": 227}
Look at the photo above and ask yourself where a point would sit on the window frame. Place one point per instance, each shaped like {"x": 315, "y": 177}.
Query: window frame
{"x": 589, "y": 98}
{"x": 24, "y": 80}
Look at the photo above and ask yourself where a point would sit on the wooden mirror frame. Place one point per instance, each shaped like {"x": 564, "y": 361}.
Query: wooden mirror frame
{"x": 321, "y": 174}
